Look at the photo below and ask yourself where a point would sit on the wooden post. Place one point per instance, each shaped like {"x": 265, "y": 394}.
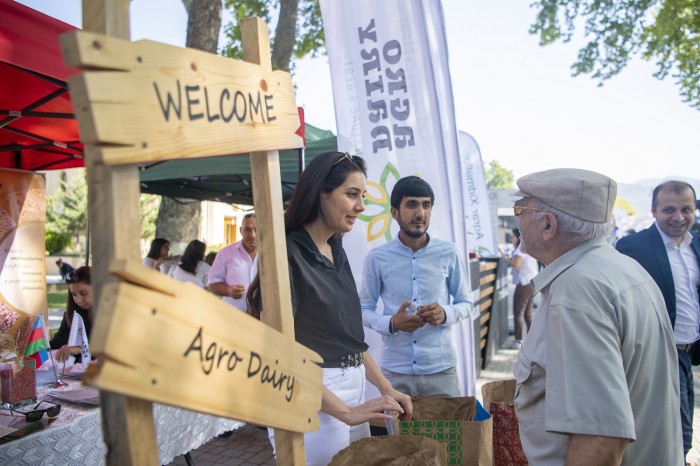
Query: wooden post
{"x": 127, "y": 423}
{"x": 274, "y": 269}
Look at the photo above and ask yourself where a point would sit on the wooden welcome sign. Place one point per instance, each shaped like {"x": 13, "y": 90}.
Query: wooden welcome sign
{"x": 177, "y": 344}
{"x": 157, "y": 339}
{"x": 146, "y": 101}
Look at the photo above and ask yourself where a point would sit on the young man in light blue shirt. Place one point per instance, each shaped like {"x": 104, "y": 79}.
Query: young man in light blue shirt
{"x": 422, "y": 283}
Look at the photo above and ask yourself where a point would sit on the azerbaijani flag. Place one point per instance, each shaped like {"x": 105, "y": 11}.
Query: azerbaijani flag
{"x": 38, "y": 343}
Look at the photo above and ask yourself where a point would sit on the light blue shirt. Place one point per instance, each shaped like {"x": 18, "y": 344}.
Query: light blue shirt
{"x": 434, "y": 273}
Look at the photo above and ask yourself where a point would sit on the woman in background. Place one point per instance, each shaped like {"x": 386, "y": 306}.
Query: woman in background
{"x": 327, "y": 314}
{"x": 524, "y": 270}
{"x": 157, "y": 254}
{"x": 192, "y": 267}
{"x": 80, "y": 302}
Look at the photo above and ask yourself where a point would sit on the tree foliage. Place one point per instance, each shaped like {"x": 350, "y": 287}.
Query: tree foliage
{"x": 498, "y": 177}
{"x": 299, "y": 29}
{"x": 664, "y": 31}
{"x": 66, "y": 210}
{"x": 149, "y": 205}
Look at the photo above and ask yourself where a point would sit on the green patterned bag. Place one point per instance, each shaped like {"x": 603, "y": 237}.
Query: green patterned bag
{"x": 461, "y": 423}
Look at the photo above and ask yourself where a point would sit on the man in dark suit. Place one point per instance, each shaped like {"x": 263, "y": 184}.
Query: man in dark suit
{"x": 671, "y": 255}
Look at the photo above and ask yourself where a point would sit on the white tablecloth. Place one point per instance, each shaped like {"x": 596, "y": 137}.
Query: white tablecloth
{"x": 75, "y": 437}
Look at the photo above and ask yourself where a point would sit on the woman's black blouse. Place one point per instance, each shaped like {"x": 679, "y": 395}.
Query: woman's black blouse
{"x": 326, "y": 306}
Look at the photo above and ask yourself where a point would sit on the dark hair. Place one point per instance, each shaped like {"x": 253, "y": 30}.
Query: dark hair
{"x": 412, "y": 186}
{"x": 249, "y": 215}
{"x": 194, "y": 253}
{"x": 79, "y": 275}
{"x": 516, "y": 232}
{"x": 209, "y": 259}
{"x": 156, "y": 245}
{"x": 324, "y": 173}
{"x": 676, "y": 187}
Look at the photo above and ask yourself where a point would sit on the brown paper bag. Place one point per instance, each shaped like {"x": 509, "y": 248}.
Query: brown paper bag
{"x": 452, "y": 421}
{"x": 498, "y": 400}
{"x": 392, "y": 451}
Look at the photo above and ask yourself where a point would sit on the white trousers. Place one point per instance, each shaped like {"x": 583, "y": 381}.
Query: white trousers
{"x": 334, "y": 435}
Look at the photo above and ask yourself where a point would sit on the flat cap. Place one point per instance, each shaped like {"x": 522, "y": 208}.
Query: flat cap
{"x": 582, "y": 194}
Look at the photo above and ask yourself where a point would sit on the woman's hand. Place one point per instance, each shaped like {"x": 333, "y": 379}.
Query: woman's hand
{"x": 65, "y": 351}
{"x": 405, "y": 402}
{"x": 370, "y": 410}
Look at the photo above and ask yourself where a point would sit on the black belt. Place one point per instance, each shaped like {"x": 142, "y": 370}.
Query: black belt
{"x": 343, "y": 362}
{"x": 686, "y": 348}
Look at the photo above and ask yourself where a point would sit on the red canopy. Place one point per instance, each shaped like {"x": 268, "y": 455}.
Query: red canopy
{"x": 37, "y": 128}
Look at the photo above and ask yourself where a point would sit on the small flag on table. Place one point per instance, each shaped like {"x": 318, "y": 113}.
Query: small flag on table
{"x": 38, "y": 343}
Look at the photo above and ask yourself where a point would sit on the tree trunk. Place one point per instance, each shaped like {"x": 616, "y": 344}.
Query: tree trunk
{"x": 285, "y": 35}
{"x": 180, "y": 223}
{"x": 203, "y": 24}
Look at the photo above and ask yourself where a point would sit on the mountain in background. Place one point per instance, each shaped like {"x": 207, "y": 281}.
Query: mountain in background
{"x": 639, "y": 193}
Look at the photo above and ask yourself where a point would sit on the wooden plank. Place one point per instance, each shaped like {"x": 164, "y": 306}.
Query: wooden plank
{"x": 276, "y": 380}
{"x": 485, "y": 292}
{"x": 127, "y": 423}
{"x": 274, "y": 269}
{"x": 272, "y": 260}
{"x": 490, "y": 278}
{"x": 167, "y": 102}
{"x": 485, "y": 266}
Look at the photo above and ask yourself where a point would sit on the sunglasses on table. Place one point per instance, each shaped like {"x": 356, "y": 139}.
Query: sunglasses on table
{"x": 36, "y": 414}
{"x": 518, "y": 208}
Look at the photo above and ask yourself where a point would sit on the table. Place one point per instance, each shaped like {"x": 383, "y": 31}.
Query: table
{"x": 75, "y": 437}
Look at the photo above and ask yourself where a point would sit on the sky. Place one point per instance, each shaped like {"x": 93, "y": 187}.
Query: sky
{"x": 516, "y": 98}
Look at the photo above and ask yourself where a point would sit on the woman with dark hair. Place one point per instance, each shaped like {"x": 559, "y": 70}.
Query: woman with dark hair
{"x": 524, "y": 270}
{"x": 157, "y": 254}
{"x": 192, "y": 267}
{"x": 327, "y": 314}
{"x": 80, "y": 302}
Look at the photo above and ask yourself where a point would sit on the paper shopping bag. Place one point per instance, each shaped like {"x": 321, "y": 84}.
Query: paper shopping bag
{"x": 392, "y": 451}
{"x": 498, "y": 400}
{"x": 461, "y": 423}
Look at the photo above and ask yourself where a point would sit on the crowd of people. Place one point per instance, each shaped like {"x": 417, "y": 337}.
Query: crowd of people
{"x": 604, "y": 369}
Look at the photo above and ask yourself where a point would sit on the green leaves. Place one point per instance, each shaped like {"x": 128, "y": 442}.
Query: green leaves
{"x": 665, "y": 31}
{"x": 498, "y": 177}
{"x": 307, "y": 36}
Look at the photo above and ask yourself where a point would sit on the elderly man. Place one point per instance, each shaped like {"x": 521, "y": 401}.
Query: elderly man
{"x": 598, "y": 373}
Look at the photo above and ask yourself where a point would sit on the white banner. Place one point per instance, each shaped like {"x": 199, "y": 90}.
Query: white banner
{"x": 480, "y": 235}
{"x": 78, "y": 337}
{"x": 393, "y": 104}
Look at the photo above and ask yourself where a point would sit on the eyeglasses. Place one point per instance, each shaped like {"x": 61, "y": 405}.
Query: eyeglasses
{"x": 345, "y": 156}
{"x": 36, "y": 414}
{"x": 518, "y": 208}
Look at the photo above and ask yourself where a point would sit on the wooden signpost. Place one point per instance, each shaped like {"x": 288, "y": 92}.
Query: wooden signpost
{"x": 150, "y": 101}
{"x": 157, "y": 339}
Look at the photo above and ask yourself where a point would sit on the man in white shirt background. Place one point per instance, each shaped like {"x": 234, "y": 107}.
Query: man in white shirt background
{"x": 232, "y": 270}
